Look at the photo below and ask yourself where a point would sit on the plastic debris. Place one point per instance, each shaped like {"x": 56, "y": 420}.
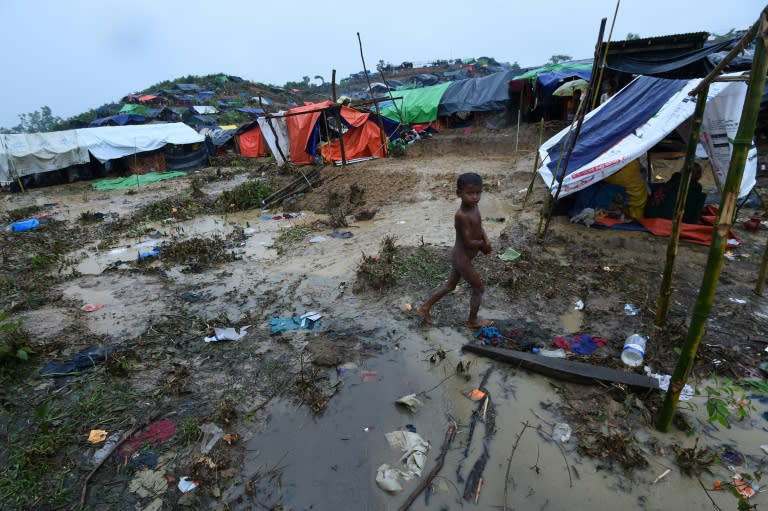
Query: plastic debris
{"x": 661, "y": 476}
{"x": 227, "y": 334}
{"x": 476, "y": 394}
{"x": 631, "y": 310}
{"x": 156, "y": 432}
{"x": 579, "y": 305}
{"x": 148, "y": 483}
{"x": 85, "y": 359}
{"x": 187, "y": 484}
{"x": 317, "y": 239}
{"x": 146, "y": 255}
{"x": 24, "y": 225}
{"x": 562, "y": 432}
{"x": 685, "y": 395}
{"x": 310, "y": 319}
{"x": 415, "y": 449}
{"x": 107, "y": 448}
{"x": 368, "y": 375}
{"x": 90, "y": 307}
{"x": 740, "y": 301}
{"x": 509, "y": 254}
{"x": 211, "y": 434}
{"x": 411, "y": 402}
{"x": 96, "y": 436}
{"x": 764, "y": 447}
{"x": 490, "y": 335}
{"x": 341, "y": 234}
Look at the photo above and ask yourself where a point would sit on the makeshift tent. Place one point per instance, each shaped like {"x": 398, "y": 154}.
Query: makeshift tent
{"x": 416, "y": 105}
{"x": 118, "y": 120}
{"x": 250, "y": 141}
{"x": 110, "y": 142}
{"x": 549, "y": 77}
{"x": 25, "y": 154}
{"x": 486, "y": 94}
{"x": 637, "y": 118}
{"x": 361, "y": 140}
{"x": 203, "y": 109}
{"x": 133, "y": 109}
{"x": 279, "y": 141}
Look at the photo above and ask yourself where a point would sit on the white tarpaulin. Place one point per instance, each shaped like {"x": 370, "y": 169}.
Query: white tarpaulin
{"x": 283, "y": 141}
{"x": 25, "y": 154}
{"x": 599, "y": 159}
{"x": 110, "y": 142}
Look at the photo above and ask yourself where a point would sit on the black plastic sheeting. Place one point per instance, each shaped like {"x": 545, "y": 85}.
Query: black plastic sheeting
{"x": 486, "y": 94}
{"x": 668, "y": 62}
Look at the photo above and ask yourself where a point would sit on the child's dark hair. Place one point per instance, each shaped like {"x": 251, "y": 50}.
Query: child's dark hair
{"x": 470, "y": 178}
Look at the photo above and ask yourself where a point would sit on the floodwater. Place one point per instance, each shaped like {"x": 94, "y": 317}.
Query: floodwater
{"x": 330, "y": 461}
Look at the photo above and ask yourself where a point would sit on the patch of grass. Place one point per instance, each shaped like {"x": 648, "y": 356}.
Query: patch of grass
{"x": 189, "y": 430}
{"x": 22, "y": 213}
{"x": 177, "y": 208}
{"x": 291, "y": 236}
{"x": 424, "y": 266}
{"x": 377, "y": 272}
{"x": 14, "y": 340}
{"x": 42, "y": 260}
{"x": 198, "y": 252}
{"x": 244, "y": 197}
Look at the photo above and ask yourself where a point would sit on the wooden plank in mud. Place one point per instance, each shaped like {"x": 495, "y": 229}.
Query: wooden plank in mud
{"x": 563, "y": 369}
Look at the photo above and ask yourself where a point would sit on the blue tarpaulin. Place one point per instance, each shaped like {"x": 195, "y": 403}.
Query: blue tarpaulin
{"x": 630, "y": 108}
{"x": 551, "y": 80}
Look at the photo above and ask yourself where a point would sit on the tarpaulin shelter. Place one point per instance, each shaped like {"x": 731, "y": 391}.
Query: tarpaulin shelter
{"x": 250, "y": 141}
{"x": 22, "y": 155}
{"x": 637, "y": 118}
{"x": 415, "y": 105}
{"x": 118, "y": 120}
{"x": 487, "y": 94}
{"x": 133, "y": 109}
{"x": 549, "y": 77}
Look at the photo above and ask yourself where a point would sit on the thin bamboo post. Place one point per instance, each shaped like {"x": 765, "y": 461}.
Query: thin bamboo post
{"x": 741, "y": 144}
{"x": 535, "y": 165}
{"x": 604, "y": 58}
{"x": 517, "y": 132}
{"x": 762, "y": 274}
{"x": 341, "y": 134}
{"x": 376, "y": 104}
{"x": 389, "y": 91}
{"x": 682, "y": 194}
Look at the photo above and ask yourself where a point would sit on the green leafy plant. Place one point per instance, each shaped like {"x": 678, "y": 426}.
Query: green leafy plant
{"x": 727, "y": 402}
{"x": 13, "y": 339}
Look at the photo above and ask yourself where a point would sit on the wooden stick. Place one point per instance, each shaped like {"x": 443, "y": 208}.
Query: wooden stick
{"x": 341, "y": 135}
{"x": 509, "y": 461}
{"x": 382, "y": 136}
{"x": 477, "y": 492}
{"x": 449, "y": 434}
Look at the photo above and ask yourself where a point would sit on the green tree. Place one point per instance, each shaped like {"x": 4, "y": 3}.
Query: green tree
{"x": 556, "y": 59}
{"x": 631, "y": 36}
{"x": 305, "y": 79}
{"x": 515, "y": 66}
{"x": 39, "y": 121}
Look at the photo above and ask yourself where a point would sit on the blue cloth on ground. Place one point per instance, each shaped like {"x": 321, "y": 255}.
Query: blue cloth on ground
{"x": 490, "y": 335}
{"x": 280, "y": 325}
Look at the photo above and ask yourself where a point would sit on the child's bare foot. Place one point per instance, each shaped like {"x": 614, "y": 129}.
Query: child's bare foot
{"x": 479, "y": 323}
{"x": 426, "y": 315}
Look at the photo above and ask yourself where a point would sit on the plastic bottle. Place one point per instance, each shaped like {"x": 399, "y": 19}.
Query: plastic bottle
{"x": 24, "y": 225}
{"x": 107, "y": 448}
{"x": 634, "y": 350}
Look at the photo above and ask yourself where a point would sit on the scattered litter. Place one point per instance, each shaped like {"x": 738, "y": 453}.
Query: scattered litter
{"x": 411, "y": 402}
{"x": 509, "y": 254}
{"x": 346, "y": 366}
{"x": 490, "y": 335}
{"x": 685, "y": 395}
{"x": 744, "y": 489}
{"x": 582, "y": 344}
{"x": 631, "y": 310}
{"x": 401, "y": 222}
{"x": 317, "y": 239}
{"x": 191, "y": 296}
{"x": 662, "y": 476}
{"x": 579, "y": 305}
{"x": 24, "y": 225}
{"x": 144, "y": 459}
{"x": 211, "y": 434}
{"x": 738, "y": 300}
{"x": 107, "y": 448}
{"x": 280, "y": 325}
{"x": 561, "y": 432}
{"x": 187, "y": 484}
{"x": 248, "y": 231}
{"x": 310, "y": 319}
{"x": 607, "y": 268}
{"x": 368, "y": 429}
{"x": 341, "y": 234}
{"x": 156, "y": 432}
{"x": 146, "y": 255}
{"x": 148, "y": 483}
{"x": 764, "y": 447}
{"x": 90, "y": 307}
{"x": 476, "y": 394}
{"x": 415, "y": 449}
{"x": 157, "y": 234}
{"x": 118, "y": 250}
{"x": 96, "y": 436}
{"x": 368, "y": 375}
{"x": 227, "y": 334}
{"x": 407, "y": 307}
{"x": 266, "y": 217}
{"x": 85, "y": 359}
{"x": 143, "y": 244}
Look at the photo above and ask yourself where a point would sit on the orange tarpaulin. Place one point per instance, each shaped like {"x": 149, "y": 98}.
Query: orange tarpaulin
{"x": 359, "y": 142}
{"x": 300, "y": 129}
{"x": 252, "y": 143}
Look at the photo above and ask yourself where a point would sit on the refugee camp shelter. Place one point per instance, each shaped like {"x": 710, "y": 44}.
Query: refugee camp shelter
{"x": 250, "y": 142}
{"x": 634, "y": 120}
{"x": 26, "y": 154}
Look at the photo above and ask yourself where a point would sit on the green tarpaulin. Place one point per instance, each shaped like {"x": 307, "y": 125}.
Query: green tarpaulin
{"x": 123, "y": 183}
{"x": 533, "y": 73}
{"x": 133, "y": 108}
{"x": 416, "y": 105}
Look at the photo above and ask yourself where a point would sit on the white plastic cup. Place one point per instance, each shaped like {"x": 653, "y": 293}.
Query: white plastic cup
{"x": 634, "y": 350}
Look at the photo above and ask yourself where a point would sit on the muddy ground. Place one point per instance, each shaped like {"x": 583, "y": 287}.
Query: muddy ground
{"x": 304, "y": 411}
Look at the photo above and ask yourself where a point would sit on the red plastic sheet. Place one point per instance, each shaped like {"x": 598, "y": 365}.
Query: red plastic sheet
{"x": 252, "y": 143}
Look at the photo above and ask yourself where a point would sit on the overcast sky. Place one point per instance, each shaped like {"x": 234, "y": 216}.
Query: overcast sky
{"x": 74, "y": 55}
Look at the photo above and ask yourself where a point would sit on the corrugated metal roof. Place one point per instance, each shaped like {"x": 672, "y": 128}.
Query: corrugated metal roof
{"x": 690, "y": 40}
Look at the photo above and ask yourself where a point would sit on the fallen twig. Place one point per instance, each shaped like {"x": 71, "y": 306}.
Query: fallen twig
{"x": 449, "y": 434}
{"x": 706, "y": 492}
{"x": 509, "y": 462}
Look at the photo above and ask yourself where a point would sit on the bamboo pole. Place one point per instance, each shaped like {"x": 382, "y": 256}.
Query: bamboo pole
{"x": 741, "y": 144}
{"x": 378, "y": 111}
{"x": 662, "y": 307}
{"x": 341, "y": 134}
{"x": 535, "y": 165}
{"x": 605, "y": 58}
{"x": 580, "y": 113}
